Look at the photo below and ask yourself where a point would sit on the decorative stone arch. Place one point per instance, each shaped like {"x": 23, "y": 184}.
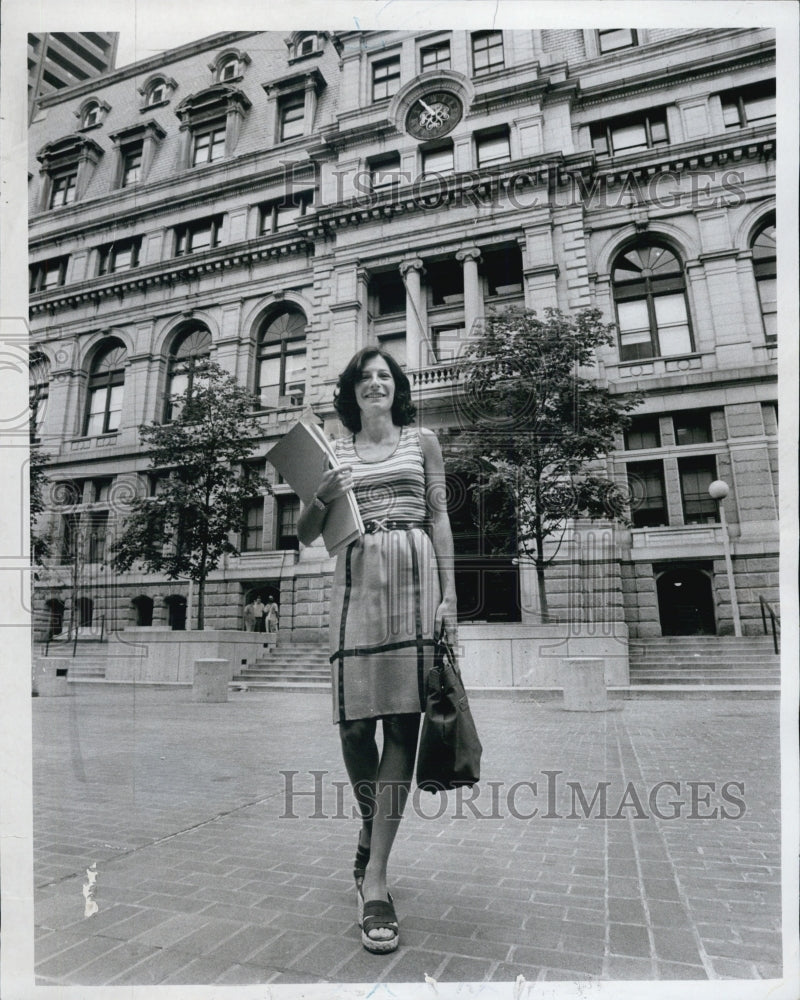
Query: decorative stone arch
{"x": 753, "y": 221}
{"x": 225, "y": 56}
{"x": 175, "y": 326}
{"x": 442, "y": 79}
{"x": 103, "y": 107}
{"x": 254, "y": 318}
{"x": 150, "y": 83}
{"x": 99, "y": 341}
{"x": 677, "y": 240}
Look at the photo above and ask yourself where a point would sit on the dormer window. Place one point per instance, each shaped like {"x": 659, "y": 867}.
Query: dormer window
{"x": 92, "y": 113}
{"x": 157, "y": 90}
{"x": 211, "y": 121}
{"x": 304, "y": 43}
{"x": 229, "y": 70}
{"x": 229, "y": 66}
{"x": 67, "y": 167}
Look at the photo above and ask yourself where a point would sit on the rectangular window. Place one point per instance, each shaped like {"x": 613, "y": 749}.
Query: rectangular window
{"x": 48, "y": 274}
{"x": 385, "y": 78}
{"x": 502, "y": 269}
{"x": 283, "y": 214}
{"x": 70, "y": 531}
{"x": 253, "y": 526}
{"x": 487, "y": 52}
{"x": 388, "y": 288}
{"x": 445, "y": 282}
{"x": 104, "y": 411}
{"x": 208, "y": 145}
{"x": 437, "y": 159}
{"x": 630, "y": 133}
{"x": 384, "y": 171}
{"x": 644, "y": 432}
{"x": 648, "y": 497}
{"x": 696, "y": 475}
{"x": 692, "y": 426}
{"x": 96, "y": 532}
{"x": 749, "y": 106}
{"x": 120, "y": 256}
{"x": 63, "y": 188}
{"x": 493, "y": 147}
{"x": 202, "y": 234}
{"x": 447, "y": 341}
{"x": 131, "y": 165}
{"x": 101, "y": 489}
{"x": 616, "y": 38}
{"x": 288, "y": 512}
{"x": 768, "y": 297}
{"x": 435, "y": 56}
{"x": 292, "y": 117}
{"x": 282, "y": 373}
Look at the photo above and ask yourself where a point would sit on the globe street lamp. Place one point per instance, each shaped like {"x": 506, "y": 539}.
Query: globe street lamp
{"x": 718, "y": 490}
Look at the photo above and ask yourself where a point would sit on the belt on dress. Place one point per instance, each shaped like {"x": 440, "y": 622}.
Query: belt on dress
{"x": 386, "y": 525}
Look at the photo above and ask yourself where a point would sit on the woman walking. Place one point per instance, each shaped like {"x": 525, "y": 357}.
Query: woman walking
{"x": 393, "y": 591}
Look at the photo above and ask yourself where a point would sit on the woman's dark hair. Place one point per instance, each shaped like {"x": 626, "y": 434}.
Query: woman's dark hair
{"x": 344, "y": 396}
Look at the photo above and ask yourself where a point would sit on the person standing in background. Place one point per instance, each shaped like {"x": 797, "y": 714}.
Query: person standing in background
{"x": 271, "y": 614}
{"x": 258, "y": 611}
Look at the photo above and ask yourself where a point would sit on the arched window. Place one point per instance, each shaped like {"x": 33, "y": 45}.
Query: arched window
{"x": 91, "y": 115}
{"x": 650, "y": 296}
{"x": 228, "y": 69}
{"x": 38, "y": 392}
{"x": 307, "y": 42}
{"x": 282, "y": 360}
{"x": 192, "y": 346}
{"x": 106, "y": 386}
{"x": 765, "y": 265}
{"x": 156, "y": 93}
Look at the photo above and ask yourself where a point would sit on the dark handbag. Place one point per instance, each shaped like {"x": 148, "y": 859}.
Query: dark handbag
{"x": 449, "y": 749}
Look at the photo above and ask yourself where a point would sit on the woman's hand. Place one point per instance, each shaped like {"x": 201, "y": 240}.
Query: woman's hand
{"x": 446, "y": 615}
{"x": 335, "y": 483}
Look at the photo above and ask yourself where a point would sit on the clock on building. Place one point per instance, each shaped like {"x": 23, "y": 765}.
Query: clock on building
{"x": 433, "y": 115}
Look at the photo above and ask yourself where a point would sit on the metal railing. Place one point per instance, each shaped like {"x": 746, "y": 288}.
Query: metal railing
{"x": 100, "y": 638}
{"x": 774, "y": 619}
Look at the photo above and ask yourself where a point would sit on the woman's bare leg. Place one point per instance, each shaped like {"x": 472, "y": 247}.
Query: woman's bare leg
{"x": 360, "y": 753}
{"x": 395, "y": 771}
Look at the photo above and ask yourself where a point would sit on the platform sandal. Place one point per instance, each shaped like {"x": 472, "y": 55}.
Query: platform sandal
{"x": 378, "y": 914}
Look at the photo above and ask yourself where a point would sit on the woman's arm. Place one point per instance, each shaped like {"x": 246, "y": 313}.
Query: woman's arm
{"x": 441, "y": 534}
{"x": 333, "y": 484}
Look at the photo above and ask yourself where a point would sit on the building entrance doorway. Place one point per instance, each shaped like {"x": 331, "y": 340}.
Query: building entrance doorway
{"x": 176, "y": 612}
{"x": 686, "y": 602}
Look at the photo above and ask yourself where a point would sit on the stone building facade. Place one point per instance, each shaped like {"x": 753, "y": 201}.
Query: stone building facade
{"x": 277, "y": 201}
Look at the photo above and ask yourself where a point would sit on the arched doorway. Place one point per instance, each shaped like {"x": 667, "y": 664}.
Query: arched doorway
{"x": 56, "y": 617}
{"x": 686, "y": 601}
{"x": 176, "y": 612}
{"x": 144, "y": 610}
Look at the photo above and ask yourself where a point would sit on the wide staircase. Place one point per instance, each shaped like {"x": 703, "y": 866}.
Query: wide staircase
{"x": 703, "y": 660}
{"x": 288, "y": 666}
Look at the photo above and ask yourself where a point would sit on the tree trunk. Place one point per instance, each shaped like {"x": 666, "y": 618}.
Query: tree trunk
{"x": 201, "y": 600}
{"x": 544, "y": 609}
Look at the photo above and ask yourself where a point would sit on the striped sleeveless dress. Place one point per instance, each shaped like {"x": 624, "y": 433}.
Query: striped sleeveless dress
{"x": 385, "y": 589}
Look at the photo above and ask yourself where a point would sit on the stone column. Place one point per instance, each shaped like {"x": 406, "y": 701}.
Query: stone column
{"x": 416, "y": 339}
{"x": 469, "y": 258}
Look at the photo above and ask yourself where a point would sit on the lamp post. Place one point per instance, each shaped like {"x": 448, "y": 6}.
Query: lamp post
{"x": 718, "y": 490}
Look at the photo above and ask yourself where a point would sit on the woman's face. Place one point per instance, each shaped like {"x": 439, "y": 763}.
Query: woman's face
{"x": 375, "y": 387}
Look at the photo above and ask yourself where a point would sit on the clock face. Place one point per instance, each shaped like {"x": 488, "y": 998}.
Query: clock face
{"x": 433, "y": 115}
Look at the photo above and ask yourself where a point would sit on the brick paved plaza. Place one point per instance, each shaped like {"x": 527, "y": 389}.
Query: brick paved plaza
{"x": 201, "y": 877}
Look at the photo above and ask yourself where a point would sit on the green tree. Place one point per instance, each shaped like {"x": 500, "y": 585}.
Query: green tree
{"x": 205, "y": 482}
{"x": 535, "y": 426}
